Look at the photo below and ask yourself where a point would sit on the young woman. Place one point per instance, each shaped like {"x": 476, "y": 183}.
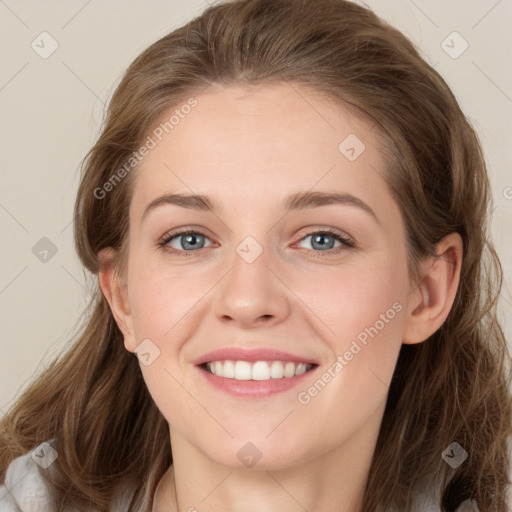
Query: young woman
{"x": 288, "y": 213}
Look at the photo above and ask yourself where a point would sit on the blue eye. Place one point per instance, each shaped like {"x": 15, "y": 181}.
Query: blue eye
{"x": 319, "y": 239}
{"x": 192, "y": 240}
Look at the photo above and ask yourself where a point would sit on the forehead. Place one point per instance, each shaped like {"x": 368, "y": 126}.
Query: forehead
{"x": 249, "y": 143}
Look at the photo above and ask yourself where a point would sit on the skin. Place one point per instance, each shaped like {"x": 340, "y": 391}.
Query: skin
{"x": 247, "y": 147}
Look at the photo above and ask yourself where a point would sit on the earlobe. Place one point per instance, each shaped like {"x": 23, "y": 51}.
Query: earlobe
{"x": 116, "y": 295}
{"x": 433, "y": 299}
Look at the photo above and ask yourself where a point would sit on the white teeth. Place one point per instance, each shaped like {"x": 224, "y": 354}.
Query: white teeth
{"x": 259, "y": 370}
{"x": 276, "y": 370}
{"x": 289, "y": 370}
{"x": 242, "y": 370}
{"x": 229, "y": 370}
{"x": 301, "y": 368}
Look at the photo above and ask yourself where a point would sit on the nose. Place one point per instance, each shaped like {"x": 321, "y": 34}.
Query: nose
{"x": 252, "y": 294}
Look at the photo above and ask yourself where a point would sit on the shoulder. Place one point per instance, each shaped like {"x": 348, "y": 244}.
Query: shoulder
{"x": 24, "y": 488}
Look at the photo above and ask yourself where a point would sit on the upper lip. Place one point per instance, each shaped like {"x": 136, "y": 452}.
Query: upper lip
{"x": 251, "y": 355}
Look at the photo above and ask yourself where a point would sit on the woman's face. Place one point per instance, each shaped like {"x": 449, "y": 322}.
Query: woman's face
{"x": 258, "y": 275}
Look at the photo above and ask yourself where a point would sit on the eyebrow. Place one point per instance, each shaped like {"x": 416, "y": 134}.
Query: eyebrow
{"x": 296, "y": 201}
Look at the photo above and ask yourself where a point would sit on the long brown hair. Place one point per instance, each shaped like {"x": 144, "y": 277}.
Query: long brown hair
{"x": 452, "y": 388}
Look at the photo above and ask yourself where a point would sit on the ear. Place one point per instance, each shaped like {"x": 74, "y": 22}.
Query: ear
{"x": 431, "y": 302}
{"x": 115, "y": 291}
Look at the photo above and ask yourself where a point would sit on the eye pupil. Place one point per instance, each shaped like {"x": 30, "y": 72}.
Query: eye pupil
{"x": 188, "y": 239}
{"x": 321, "y": 240}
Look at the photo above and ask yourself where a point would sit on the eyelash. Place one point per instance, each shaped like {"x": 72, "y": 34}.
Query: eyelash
{"x": 346, "y": 242}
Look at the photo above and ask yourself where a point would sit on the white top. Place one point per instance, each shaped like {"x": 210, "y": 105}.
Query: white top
{"x": 25, "y": 490}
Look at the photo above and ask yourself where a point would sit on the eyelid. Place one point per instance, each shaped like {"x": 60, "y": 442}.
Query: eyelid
{"x": 346, "y": 240}
{"x": 313, "y": 230}
{"x": 183, "y": 231}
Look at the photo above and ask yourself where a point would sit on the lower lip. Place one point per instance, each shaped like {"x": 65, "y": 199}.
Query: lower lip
{"x": 254, "y": 388}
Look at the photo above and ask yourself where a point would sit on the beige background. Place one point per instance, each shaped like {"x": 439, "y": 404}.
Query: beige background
{"x": 51, "y": 110}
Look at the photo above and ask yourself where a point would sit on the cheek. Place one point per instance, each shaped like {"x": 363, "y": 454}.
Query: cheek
{"x": 160, "y": 297}
{"x": 161, "y": 306}
{"x": 366, "y": 315}
{"x": 352, "y": 298}
{"x": 364, "y": 309}
{"x": 371, "y": 308}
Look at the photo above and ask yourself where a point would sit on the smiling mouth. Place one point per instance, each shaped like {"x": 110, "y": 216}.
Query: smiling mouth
{"x": 257, "y": 370}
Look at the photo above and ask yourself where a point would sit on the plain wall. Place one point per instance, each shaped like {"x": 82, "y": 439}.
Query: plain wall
{"x": 51, "y": 109}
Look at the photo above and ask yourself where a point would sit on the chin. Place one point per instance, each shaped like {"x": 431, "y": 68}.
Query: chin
{"x": 259, "y": 454}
